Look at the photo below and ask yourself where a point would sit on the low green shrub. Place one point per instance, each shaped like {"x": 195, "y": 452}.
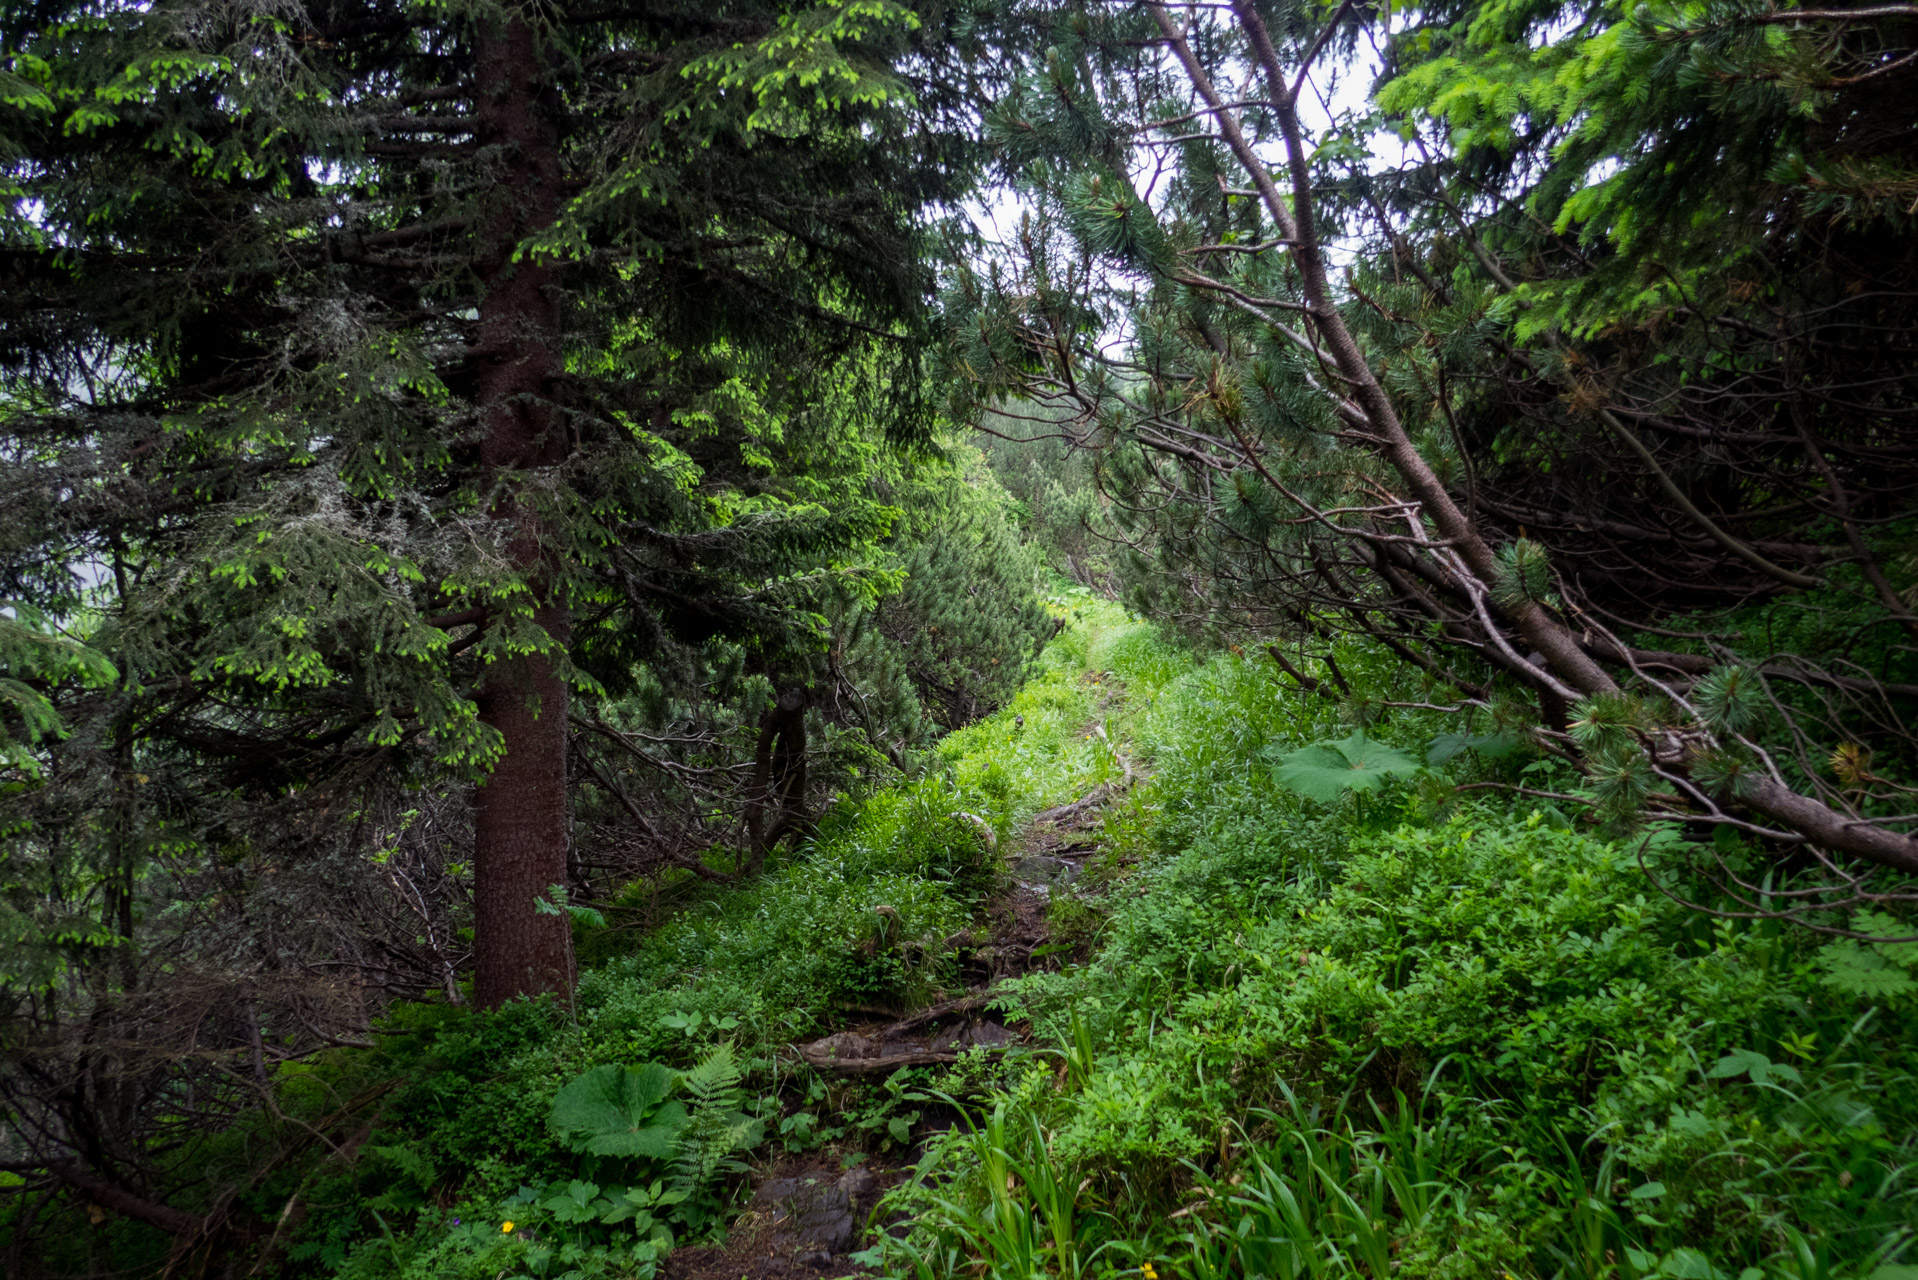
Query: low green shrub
{"x": 1395, "y": 1030}
{"x": 1323, "y": 1030}
{"x": 468, "y": 1138}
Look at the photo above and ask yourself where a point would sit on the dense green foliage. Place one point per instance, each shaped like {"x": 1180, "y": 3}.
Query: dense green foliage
{"x": 1416, "y": 1023}
{"x": 1382, "y": 1035}
{"x": 192, "y": 980}
{"x": 1398, "y": 738}
{"x": 1552, "y": 354}
{"x": 222, "y": 396}
{"x": 434, "y": 434}
{"x": 1407, "y": 1029}
{"x": 462, "y": 1104}
{"x": 383, "y": 387}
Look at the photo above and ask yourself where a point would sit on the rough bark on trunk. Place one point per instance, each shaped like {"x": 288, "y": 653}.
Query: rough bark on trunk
{"x": 519, "y": 834}
{"x": 519, "y": 813}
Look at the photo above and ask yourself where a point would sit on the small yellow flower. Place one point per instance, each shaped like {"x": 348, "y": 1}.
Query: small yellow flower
{"x": 1145, "y": 1269}
{"x": 506, "y": 1228}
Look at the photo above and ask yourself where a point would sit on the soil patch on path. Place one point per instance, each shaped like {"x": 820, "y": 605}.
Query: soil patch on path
{"x": 807, "y": 1214}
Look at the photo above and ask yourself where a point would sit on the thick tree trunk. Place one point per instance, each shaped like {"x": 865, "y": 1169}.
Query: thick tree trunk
{"x": 519, "y": 834}
{"x": 519, "y": 813}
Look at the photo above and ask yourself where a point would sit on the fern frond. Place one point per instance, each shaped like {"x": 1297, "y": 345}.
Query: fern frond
{"x": 717, "y": 1128}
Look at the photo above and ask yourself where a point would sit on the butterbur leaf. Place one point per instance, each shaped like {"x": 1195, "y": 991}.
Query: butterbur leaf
{"x": 621, "y": 1111}
{"x": 1493, "y": 746}
{"x": 1325, "y": 769}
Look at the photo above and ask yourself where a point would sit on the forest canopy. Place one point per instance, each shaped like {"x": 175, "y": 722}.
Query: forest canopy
{"x": 559, "y": 558}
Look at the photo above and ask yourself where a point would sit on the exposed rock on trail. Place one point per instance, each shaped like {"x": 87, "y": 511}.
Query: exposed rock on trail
{"x": 809, "y": 1217}
{"x": 935, "y": 1035}
{"x": 805, "y": 1216}
{"x": 1039, "y": 869}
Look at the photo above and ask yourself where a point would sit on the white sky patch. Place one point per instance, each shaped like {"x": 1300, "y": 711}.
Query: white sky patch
{"x": 1335, "y": 94}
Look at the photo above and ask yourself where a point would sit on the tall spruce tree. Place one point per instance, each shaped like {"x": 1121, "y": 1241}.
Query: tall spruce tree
{"x": 357, "y": 355}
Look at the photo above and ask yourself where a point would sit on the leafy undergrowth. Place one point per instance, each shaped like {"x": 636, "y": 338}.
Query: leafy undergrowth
{"x": 1351, "y": 1007}
{"x": 1360, "y": 1009}
{"x": 589, "y": 1142}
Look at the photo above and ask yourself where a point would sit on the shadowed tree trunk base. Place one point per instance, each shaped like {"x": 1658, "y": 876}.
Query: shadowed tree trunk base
{"x": 520, "y": 833}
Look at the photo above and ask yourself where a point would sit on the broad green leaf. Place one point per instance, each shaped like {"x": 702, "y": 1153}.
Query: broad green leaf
{"x": 1737, "y": 1063}
{"x": 1492, "y": 746}
{"x": 1325, "y": 769}
{"x": 1689, "y": 1264}
{"x": 1746, "y": 1061}
{"x": 621, "y": 1111}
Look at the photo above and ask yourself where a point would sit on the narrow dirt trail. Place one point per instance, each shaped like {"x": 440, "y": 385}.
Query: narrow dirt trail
{"x": 1045, "y": 859}
{"x": 808, "y": 1211}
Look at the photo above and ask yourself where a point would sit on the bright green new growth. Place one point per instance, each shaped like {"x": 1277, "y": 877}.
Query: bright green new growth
{"x": 1524, "y": 575}
{"x": 33, "y": 656}
{"x": 1325, "y": 770}
{"x": 1729, "y": 699}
